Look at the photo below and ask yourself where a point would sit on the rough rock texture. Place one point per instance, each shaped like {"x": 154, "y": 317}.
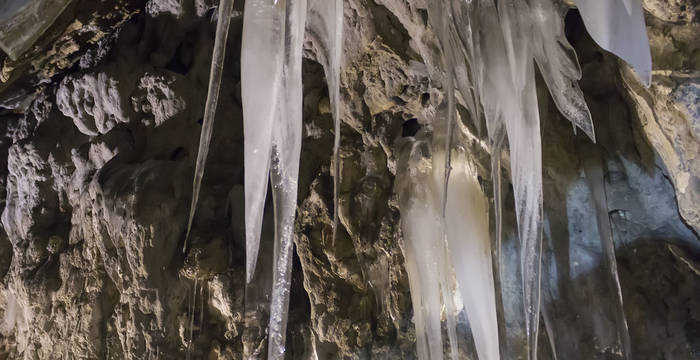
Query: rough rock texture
{"x": 100, "y": 125}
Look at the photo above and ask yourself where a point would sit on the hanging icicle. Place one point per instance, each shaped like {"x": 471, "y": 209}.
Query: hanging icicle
{"x": 284, "y": 171}
{"x": 215, "y": 73}
{"x": 489, "y": 52}
{"x": 325, "y": 21}
{"x": 262, "y": 57}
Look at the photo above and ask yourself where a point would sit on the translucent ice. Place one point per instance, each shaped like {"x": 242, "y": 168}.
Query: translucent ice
{"x": 467, "y": 229}
{"x": 559, "y": 65}
{"x": 284, "y": 171}
{"x": 22, "y": 22}
{"x": 618, "y": 26}
{"x": 262, "y": 56}
{"x": 217, "y": 68}
{"x": 424, "y": 250}
{"x": 325, "y": 20}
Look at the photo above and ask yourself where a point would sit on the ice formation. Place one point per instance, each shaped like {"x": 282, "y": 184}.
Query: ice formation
{"x": 468, "y": 238}
{"x": 441, "y": 244}
{"x": 489, "y": 52}
{"x": 618, "y": 26}
{"x": 325, "y": 21}
{"x": 262, "y": 57}
{"x": 584, "y": 264}
{"x": 217, "y": 68}
{"x": 424, "y": 248}
{"x": 23, "y": 21}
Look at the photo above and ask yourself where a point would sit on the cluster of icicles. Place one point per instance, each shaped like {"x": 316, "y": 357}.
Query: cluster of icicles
{"x": 489, "y": 52}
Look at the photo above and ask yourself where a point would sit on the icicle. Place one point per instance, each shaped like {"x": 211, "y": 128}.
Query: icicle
{"x": 559, "y": 65}
{"x": 594, "y": 176}
{"x": 440, "y": 16}
{"x": 217, "y": 68}
{"x": 284, "y": 173}
{"x": 618, "y": 26}
{"x": 506, "y": 71}
{"x": 191, "y": 317}
{"x": 201, "y": 309}
{"x": 448, "y": 294}
{"x": 326, "y": 21}
{"x": 423, "y": 245}
{"x": 262, "y": 55}
{"x": 583, "y": 263}
{"x": 467, "y": 229}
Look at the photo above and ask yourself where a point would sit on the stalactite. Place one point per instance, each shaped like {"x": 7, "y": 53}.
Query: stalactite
{"x": 215, "y": 73}
{"x": 489, "y": 51}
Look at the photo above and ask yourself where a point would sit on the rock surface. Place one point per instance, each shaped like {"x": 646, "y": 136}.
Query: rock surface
{"x": 100, "y": 127}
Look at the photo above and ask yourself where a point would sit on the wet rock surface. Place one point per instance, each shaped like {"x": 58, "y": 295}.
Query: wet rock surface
{"x": 100, "y": 125}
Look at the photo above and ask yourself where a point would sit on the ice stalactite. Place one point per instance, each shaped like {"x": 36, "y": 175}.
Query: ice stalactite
{"x": 469, "y": 242}
{"x": 504, "y": 60}
{"x": 559, "y": 65}
{"x": 580, "y": 262}
{"x": 593, "y": 169}
{"x": 424, "y": 250}
{"x": 325, "y": 21}
{"x": 273, "y": 34}
{"x": 284, "y": 172}
{"x": 618, "y": 26}
{"x": 437, "y": 249}
{"x": 217, "y": 69}
{"x": 262, "y": 57}
{"x": 501, "y": 42}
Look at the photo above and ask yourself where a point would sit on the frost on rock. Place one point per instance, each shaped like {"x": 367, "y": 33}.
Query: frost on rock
{"x": 172, "y": 7}
{"x": 157, "y": 97}
{"x": 95, "y": 102}
{"x": 22, "y": 22}
{"x": 618, "y": 26}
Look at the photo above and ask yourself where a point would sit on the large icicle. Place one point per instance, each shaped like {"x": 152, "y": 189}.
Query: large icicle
{"x": 262, "y": 56}
{"x": 593, "y": 169}
{"x": 217, "y": 68}
{"x": 559, "y": 65}
{"x": 507, "y": 90}
{"x": 284, "y": 173}
{"x": 618, "y": 26}
{"x": 421, "y": 223}
{"x": 326, "y": 23}
{"x": 467, "y": 230}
